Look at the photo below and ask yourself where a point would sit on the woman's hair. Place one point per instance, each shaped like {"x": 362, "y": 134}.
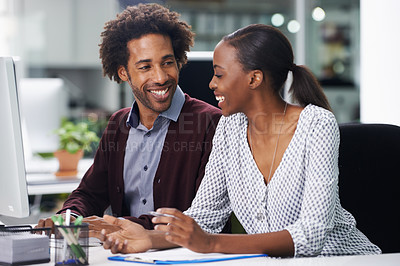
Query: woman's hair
{"x": 265, "y": 48}
{"x": 135, "y": 22}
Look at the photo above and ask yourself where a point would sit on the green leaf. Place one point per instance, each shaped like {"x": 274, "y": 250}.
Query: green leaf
{"x": 74, "y": 137}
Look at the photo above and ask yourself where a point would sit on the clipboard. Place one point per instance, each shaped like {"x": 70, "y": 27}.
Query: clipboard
{"x": 143, "y": 260}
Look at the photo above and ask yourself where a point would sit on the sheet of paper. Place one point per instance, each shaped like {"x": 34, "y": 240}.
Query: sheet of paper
{"x": 182, "y": 254}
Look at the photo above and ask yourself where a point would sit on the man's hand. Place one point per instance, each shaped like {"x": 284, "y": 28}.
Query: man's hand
{"x": 97, "y": 224}
{"x": 131, "y": 238}
{"x": 48, "y": 223}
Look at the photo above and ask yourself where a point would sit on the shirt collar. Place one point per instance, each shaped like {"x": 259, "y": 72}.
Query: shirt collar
{"x": 172, "y": 113}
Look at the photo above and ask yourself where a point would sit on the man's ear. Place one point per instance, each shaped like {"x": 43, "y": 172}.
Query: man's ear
{"x": 256, "y": 78}
{"x": 122, "y": 73}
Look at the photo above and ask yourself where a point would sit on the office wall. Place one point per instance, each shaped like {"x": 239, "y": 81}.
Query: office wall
{"x": 380, "y": 61}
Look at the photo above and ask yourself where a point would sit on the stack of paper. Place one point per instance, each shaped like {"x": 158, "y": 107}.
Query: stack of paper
{"x": 24, "y": 248}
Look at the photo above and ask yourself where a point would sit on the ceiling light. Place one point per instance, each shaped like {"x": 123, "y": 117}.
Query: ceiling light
{"x": 293, "y": 26}
{"x": 277, "y": 20}
{"x": 318, "y": 14}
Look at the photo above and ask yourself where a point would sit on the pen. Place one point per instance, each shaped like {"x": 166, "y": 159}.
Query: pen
{"x": 78, "y": 221}
{"x": 159, "y": 214}
{"x": 67, "y": 217}
{"x": 67, "y": 221}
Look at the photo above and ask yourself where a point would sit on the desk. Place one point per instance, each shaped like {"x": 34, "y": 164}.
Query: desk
{"x": 98, "y": 256}
{"x": 42, "y": 184}
{"x": 45, "y": 182}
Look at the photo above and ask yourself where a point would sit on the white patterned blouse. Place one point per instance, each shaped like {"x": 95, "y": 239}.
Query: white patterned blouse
{"x": 301, "y": 197}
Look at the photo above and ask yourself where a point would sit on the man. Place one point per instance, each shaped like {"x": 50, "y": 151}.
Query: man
{"x": 153, "y": 154}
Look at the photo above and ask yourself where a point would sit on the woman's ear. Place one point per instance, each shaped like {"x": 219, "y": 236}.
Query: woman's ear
{"x": 122, "y": 73}
{"x": 256, "y": 78}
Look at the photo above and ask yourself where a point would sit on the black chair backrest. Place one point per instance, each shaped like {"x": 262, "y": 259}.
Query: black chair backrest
{"x": 369, "y": 180}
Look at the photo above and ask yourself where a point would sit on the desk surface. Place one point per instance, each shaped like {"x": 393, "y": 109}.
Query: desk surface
{"x": 98, "y": 256}
{"x": 48, "y": 183}
{"x": 41, "y": 182}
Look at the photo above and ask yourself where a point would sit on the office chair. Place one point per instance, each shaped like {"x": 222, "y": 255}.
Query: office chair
{"x": 369, "y": 180}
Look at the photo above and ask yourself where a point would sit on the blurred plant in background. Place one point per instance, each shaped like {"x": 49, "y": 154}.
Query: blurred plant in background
{"x": 75, "y": 136}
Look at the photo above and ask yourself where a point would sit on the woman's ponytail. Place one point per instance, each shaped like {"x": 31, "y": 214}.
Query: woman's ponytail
{"x": 305, "y": 88}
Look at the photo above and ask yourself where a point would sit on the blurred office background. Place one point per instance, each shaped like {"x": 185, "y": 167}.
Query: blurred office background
{"x": 59, "y": 39}
{"x": 57, "y": 43}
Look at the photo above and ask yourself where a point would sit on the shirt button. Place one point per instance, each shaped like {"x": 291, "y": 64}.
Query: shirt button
{"x": 158, "y": 181}
{"x": 259, "y": 216}
{"x": 144, "y": 201}
{"x": 145, "y": 168}
{"x": 148, "y": 134}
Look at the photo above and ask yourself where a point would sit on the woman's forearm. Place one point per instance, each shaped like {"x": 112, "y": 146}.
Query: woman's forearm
{"x": 158, "y": 240}
{"x": 274, "y": 244}
{"x": 184, "y": 231}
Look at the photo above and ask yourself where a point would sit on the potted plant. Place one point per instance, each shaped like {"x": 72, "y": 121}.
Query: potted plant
{"x": 74, "y": 139}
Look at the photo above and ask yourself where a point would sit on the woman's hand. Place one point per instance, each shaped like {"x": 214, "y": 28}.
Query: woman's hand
{"x": 182, "y": 230}
{"x": 131, "y": 238}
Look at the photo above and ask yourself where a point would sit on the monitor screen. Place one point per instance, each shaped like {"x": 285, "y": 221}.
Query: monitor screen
{"x": 195, "y": 76}
{"x": 13, "y": 189}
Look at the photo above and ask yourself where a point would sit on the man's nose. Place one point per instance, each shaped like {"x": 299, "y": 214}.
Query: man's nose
{"x": 160, "y": 75}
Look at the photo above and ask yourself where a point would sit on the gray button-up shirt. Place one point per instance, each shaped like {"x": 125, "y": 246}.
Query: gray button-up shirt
{"x": 142, "y": 155}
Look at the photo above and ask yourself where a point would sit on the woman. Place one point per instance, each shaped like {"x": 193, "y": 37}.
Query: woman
{"x": 274, "y": 164}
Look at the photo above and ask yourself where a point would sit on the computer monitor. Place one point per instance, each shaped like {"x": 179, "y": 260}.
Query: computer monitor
{"x": 13, "y": 189}
{"x": 37, "y": 97}
{"x": 196, "y": 75}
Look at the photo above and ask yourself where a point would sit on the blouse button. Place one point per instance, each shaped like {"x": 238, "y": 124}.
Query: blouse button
{"x": 259, "y": 216}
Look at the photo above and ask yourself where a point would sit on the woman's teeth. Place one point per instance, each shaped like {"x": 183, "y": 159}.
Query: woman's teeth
{"x": 220, "y": 98}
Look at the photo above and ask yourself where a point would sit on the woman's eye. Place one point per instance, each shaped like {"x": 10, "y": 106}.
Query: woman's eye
{"x": 218, "y": 76}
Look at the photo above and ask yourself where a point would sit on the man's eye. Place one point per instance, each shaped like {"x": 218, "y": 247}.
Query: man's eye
{"x": 144, "y": 67}
{"x": 218, "y": 76}
{"x": 169, "y": 63}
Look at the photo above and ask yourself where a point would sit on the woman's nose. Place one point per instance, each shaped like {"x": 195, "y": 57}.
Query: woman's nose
{"x": 212, "y": 85}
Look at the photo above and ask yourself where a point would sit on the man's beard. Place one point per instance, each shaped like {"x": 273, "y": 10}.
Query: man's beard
{"x": 143, "y": 95}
